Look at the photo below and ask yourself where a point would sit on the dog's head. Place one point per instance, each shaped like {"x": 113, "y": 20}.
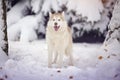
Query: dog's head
{"x": 57, "y": 21}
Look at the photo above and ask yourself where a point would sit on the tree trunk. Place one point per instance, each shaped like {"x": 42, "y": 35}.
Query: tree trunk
{"x": 3, "y": 26}
{"x": 114, "y": 26}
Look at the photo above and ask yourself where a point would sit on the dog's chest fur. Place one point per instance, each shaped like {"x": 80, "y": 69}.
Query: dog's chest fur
{"x": 58, "y": 40}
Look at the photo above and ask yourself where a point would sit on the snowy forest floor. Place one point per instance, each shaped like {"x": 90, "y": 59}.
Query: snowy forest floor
{"x": 28, "y": 61}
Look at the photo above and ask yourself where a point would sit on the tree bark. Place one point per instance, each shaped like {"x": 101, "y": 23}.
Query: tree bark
{"x": 4, "y": 26}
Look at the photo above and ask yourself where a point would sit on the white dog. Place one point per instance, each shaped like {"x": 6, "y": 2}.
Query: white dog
{"x": 59, "y": 39}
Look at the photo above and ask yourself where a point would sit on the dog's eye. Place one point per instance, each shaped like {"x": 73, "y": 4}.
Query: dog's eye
{"x": 53, "y": 19}
{"x": 58, "y": 19}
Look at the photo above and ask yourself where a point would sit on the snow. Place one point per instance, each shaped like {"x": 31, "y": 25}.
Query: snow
{"x": 114, "y": 25}
{"x": 28, "y": 61}
{"x": 80, "y": 27}
{"x": 36, "y": 5}
{"x": 62, "y": 2}
{"x": 87, "y": 8}
{"x": 17, "y": 12}
{"x": 13, "y": 32}
{"x": 41, "y": 22}
{"x": 48, "y": 5}
{"x": 102, "y": 24}
{"x": 24, "y": 29}
{"x": 115, "y": 20}
{"x": 79, "y": 22}
{"x": 3, "y": 58}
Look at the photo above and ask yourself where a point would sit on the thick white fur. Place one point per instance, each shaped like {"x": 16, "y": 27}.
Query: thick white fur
{"x": 59, "y": 42}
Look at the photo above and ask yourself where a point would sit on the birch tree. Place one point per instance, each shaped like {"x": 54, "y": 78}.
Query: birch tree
{"x": 3, "y": 28}
{"x": 114, "y": 26}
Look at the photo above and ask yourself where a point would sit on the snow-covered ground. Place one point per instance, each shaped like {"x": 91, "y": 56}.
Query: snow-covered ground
{"x": 28, "y": 61}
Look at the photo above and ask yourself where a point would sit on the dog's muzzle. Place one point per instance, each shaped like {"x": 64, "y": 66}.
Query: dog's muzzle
{"x": 56, "y": 28}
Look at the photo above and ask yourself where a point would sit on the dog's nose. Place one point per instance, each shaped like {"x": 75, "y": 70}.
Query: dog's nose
{"x": 55, "y": 23}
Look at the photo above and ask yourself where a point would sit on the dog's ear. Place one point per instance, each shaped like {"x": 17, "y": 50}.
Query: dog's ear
{"x": 50, "y": 14}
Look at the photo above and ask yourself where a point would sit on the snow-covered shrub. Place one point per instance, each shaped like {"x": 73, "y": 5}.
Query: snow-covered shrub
{"x": 35, "y": 5}
{"x": 90, "y": 25}
{"x": 88, "y": 19}
{"x": 17, "y": 12}
{"x": 27, "y": 34}
{"x": 87, "y": 8}
{"x": 13, "y": 32}
{"x": 24, "y": 29}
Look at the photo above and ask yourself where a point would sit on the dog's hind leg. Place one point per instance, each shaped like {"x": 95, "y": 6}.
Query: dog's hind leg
{"x": 69, "y": 54}
{"x": 70, "y": 59}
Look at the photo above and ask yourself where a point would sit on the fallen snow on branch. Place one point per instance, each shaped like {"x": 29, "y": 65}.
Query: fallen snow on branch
{"x": 87, "y": 8}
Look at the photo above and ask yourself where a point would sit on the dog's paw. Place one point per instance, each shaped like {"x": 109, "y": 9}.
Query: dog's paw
{"x": 54, "y": 62}
{"x": 49, "y": 66}
{"x": 59, "y": 67}
{"x": 71, "y": 64}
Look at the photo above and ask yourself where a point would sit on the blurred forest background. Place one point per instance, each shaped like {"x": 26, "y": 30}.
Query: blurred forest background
{"x": 88, "y": 19}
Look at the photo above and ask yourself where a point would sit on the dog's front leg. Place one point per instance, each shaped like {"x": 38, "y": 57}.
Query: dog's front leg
{"x": 55, "y": 57}
{"x": 50, "y": 55}
{"x": 60, "y": 60}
